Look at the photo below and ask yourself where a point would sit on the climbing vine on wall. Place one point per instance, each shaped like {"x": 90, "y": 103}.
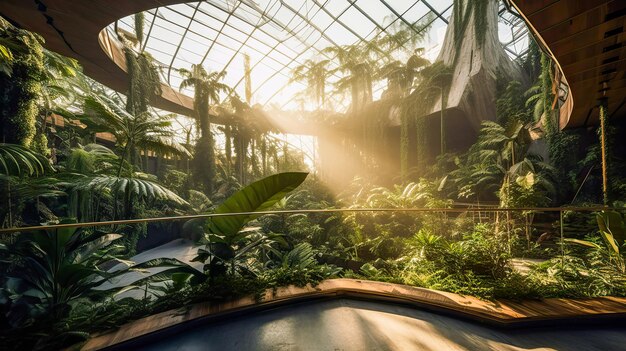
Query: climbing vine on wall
{"x": 462, "y": 13}
{"x": 546, "y": 95}
{"x": 20, "y": 84}
{"x": 435, "y": 82}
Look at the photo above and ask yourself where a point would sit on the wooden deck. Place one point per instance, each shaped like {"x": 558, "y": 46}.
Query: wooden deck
{"x": 501, "y": 313}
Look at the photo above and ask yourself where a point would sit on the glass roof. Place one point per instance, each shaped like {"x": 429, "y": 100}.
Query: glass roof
{"x": 279, "y": 35}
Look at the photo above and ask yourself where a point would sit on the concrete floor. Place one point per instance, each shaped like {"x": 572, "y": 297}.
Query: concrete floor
{"x": 346, "y": 324}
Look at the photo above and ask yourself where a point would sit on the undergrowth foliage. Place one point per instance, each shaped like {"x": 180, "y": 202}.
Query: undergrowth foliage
{"x": 72, "y": 150}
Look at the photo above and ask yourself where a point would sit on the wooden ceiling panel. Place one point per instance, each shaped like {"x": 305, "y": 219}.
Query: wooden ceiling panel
{"x": 563, "y": 11}
{"x": 574, "y": 26}
{"x": 597, "y": 74}
{"x": 81, "y": 23}
{"x": 584, "y": 60}
{"x": 538, "y": 5}
{"x": 587, "y": 39}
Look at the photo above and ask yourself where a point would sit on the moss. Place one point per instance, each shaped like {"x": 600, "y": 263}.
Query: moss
{"x": 19, "y": 92}
{"x": 139, "y": 26}
{"x": 480, "y": 20}
{"x": 40, "y": 144}
{"x": 143, "y": 81}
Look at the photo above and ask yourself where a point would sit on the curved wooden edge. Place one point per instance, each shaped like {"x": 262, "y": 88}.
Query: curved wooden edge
{"x": 78, "y": 29}
{"x": 500, "y": 313}
{"x": 566, "y": 111}
{"x": 170, "y": 99}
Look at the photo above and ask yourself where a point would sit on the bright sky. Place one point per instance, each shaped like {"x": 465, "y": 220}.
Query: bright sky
{"x": 276, "y": 36}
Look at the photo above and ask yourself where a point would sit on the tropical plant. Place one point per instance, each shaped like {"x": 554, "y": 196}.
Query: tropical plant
{"x": 249, "y": 132}
{"x": 139, "y": 187}
{"x": 358, "y": 67}
{"x": 226, "y": 240}
{"x": 143, "y": 78}
{"x": 612, "y": 229}
{"x": 401, "y": 76}
{"x": 315, "y": 74}
{"x": 97, "y": 181}
{"x": 433, "y": 81}
{"x": 132, "y": 133}
{"x": 18, "y": 161}
{"x": 302, "y": 256}
{"x": 207, "y": 88}
{"x": 510, "y": 103}
{"x": 500, "y": 160}
{"x": 48, "y": 271}
{"x": 540, "y": 96}
{"x": 60, "y": 92}
{"x": 19, "y": 167}
{"x": 437, "y": 79}
{"x": 297, "y": 266}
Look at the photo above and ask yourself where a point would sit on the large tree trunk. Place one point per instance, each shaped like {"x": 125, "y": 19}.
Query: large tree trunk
{"x": 205, "y": 153}
{"x": 228, "y": 149}
{"x": 475, "y": 63}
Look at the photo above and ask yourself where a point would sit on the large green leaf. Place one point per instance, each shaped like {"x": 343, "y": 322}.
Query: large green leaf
{"x": 583, "y": 243}
{"x": 136, "y": 187}
{"x": 610, "y": 241}
{"x": 612, "y": 222}
{"x": 16, "y": 160}
{"x": 258, "y": 196}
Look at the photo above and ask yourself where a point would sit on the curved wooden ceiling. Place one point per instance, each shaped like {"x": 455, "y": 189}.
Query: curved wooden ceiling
{"x": 586, "y": 38}
{"x": 72, "y": 28}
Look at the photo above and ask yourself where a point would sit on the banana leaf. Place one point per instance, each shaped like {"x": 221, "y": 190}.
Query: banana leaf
{"x": 258, "y": 196}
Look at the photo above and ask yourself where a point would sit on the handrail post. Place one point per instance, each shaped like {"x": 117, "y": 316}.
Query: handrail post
{"x": 562, "y": 239}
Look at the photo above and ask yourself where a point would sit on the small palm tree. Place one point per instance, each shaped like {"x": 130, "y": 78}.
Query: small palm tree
{"x": 52, "y": 270}
{"x": 510, "y": 142}
{"x": 499, "y": 160}
{"x": 142, "y": 132}
{"x": 315, "y": 74}
{"x": 207, "y": 88}
{"x": 401, "y": 76}
{"x": 358, "y": 69}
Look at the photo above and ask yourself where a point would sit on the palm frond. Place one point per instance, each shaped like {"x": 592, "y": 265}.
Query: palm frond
{"x": 18, "y": 161}
{"x": 141, "y": 189}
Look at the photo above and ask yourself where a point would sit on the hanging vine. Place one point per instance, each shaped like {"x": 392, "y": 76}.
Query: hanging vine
{"x": 546, "y": 94}
{"x": 435, "y": 80}
{"x": 404, "y": 143}
{"x": 20, "y": 84}
{"x": 143, "y": 81}
{"x": 228, "y": 148}
{"x": 462, "y": 13}
{"x": 139, "y": 26}
{"x": 480, "y": 8}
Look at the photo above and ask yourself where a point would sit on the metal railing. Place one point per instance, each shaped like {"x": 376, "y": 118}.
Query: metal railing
{"x": 560, "y": 210}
